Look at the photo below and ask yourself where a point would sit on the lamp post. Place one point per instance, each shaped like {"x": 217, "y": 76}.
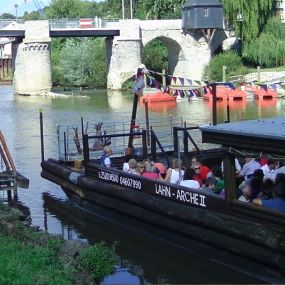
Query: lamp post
{"x": 240, "y": 20}
{"x": 16, "y": 9}
{"x": 131, "y": 8}
{"x": 123, "y": 9}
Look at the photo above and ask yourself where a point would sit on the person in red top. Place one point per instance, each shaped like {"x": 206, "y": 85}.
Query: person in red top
{"x": 200, "y": 169}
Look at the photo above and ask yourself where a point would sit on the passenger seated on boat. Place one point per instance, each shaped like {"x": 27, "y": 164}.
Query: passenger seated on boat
{"x": 218, "y": 174}
{"x": 270, "y": 169}
{"x": 248, "y": 168}
{"x": 197, "y": 176}
{"x": 281, "y": 168}
{"x": 126, "y": 164}
{"x": 161, "y": 168}
{"x": 105, "y": 158}
{"x": 151, "y": 171}
{"x": 133, "y": 166}
{"x": 204, "y": 170}
{"x": 140, "y": 168}
{"x": 266, "y": 189}
{"x": 175, "y": 173}
{"x": 188, "y": 179}
{"x": 246, "y": 193}
{"x": 209, "y": 185}
{"x": 278, "y": 202}
{"x": 254, "y": 183}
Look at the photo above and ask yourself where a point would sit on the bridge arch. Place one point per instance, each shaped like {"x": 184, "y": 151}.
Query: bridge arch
{"x": 175, "y": 51}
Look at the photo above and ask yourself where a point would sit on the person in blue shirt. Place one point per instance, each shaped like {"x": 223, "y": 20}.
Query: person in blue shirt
{"x": 105, "y": 158}
{"x": 278, "y": 202}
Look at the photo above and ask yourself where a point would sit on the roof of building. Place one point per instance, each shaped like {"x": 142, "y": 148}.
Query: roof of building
{"x": 202, "y": 3}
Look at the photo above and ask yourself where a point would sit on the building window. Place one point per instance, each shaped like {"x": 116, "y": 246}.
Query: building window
{"x": 206, "y": 12}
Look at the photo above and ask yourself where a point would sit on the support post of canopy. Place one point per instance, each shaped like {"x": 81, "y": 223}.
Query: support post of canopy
{"x": 229, "y": 173}
{"x": 133, "y": 122}
{"x": 147, "y": 121}
{"x": 175, "y": 140}
{"x": 214, "y": 103}
{"x": 42, "y": 136}
{"x": 138, "y": 87}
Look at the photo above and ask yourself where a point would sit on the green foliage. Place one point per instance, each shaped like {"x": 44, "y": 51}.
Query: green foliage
{"x": 275, "y": 28}
{"x": 28, "y": 264}
{"x": 65, "y": 9}
{"x": 266, "y": 51}
{"x": 7, "y": 16}
{"x": 35, "y": 15}
{"x": 99, "y": 260}
{"x": 155, "y": 56}
{"x": 214, "y": 70}
{"x": 28, "y": 257}
{"x": 83, "y": 62}
{"x": 255, "y": 15}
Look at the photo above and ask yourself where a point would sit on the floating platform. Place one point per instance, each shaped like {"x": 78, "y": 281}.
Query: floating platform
{"x": 225, "y": 93}
{"x": 153, "y": 95}
{"x": 262, "y": 93}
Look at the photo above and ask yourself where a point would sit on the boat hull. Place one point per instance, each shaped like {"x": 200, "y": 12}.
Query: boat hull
{"x": 225, "y": 231}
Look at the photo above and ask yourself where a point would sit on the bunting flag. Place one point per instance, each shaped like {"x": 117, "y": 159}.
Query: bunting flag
{"x": 189, "y": 87}
{"x": 139, "y": 82}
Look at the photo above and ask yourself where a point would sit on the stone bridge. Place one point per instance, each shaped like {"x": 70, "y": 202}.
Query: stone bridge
{"x": 188, "y": 53}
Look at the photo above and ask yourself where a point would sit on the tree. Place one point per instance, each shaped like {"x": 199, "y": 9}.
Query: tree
{"x": 155, "y": 56}
{"x": 7, "y": 16}
{"x": 83, "y": 62}
{"x": 65, "y": 9}
{"x": 213, "y": 71}
{"x": 268, "y": 50}
{"x": 255, "y": 15}
{"x": 35, "y": 15}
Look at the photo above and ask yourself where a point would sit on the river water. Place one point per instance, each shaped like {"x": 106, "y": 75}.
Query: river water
{"x": 144, "y": 259}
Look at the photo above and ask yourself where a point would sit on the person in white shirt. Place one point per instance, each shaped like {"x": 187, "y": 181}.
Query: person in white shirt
{"x": 188, "y": 180}
{"x": 270, "y": 169}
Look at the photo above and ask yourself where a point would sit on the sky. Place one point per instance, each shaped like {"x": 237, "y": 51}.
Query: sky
{"x": 8, "y": 6}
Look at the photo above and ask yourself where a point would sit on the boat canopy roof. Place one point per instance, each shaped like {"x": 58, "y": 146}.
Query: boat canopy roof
{"x": 262, "y": 135}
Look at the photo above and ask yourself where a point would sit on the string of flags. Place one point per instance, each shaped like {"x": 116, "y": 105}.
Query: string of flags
{"x": 182, "y": 87}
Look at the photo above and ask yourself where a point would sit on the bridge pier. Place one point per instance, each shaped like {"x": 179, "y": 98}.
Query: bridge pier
{"x": 32, "y": 61}
{"x": 124, "y": 54}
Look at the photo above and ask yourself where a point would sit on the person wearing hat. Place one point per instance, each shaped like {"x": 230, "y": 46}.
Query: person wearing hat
{"x": 105, "y": 158}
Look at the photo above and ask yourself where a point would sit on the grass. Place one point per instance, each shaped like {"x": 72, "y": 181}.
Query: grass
{"x": 29, "y": 264}
{"x": 274, "y": 69}
{"x": 33, "y": 257}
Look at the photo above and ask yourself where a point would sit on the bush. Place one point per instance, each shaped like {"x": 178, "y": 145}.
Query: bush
{"x": 266, "y": 51}
{"x": 214, "y": 70}
{"x": 98, "y": 260}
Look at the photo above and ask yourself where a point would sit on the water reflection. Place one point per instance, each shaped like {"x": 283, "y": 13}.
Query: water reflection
{"x": 144, "y": 259}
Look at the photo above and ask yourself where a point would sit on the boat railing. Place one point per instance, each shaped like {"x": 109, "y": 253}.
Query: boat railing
{"x": 90, "y": 153}
{"x": 70, "y": 138}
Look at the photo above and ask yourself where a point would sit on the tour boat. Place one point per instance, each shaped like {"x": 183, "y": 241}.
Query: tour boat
{"x": 248, "y": 237}
{"x": 242, "y": 235}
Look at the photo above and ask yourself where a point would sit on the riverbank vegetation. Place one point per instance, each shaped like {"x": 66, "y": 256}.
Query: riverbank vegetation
{"x": 29, "y": 256}
{"x": 82, "y": 62}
